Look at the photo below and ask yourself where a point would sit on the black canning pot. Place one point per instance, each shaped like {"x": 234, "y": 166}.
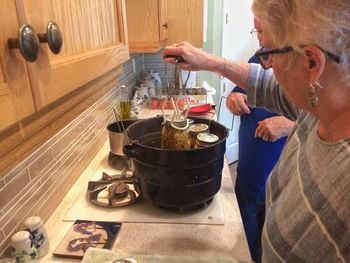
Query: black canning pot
{"x": 176, "y": 180}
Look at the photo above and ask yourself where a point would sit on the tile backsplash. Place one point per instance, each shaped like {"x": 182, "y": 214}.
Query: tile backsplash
{"x": 39, "y": 182}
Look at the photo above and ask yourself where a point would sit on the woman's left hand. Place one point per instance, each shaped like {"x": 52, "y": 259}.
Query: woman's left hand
{"x": 273, "y": 128}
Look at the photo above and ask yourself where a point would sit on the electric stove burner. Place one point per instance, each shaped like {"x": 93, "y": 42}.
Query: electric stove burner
{"x": 113, "y": 191}
{"x": 118, "y": 162}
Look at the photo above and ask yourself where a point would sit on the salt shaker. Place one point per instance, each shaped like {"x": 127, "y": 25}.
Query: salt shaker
{"x": 22, "y": 249}
{"x": 36, "y": 227}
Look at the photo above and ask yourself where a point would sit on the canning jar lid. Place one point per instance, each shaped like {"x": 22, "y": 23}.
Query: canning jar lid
{"x": 199, "y": 127}
{"x": 207, "y": 138}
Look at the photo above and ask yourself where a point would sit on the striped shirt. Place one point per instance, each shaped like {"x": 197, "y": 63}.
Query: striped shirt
{"x": 308, "y": 191}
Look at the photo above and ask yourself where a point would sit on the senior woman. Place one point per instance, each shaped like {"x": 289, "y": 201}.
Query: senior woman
{"x": 307, "y": 44}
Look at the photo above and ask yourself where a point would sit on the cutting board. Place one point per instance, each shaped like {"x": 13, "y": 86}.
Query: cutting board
{"x": 141, "y": 211}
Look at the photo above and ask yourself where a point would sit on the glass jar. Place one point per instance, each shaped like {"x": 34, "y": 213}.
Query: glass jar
{"x": 196, "y": 129}
{"x": 175, "y": 133}
{"x": 205, "y": 140}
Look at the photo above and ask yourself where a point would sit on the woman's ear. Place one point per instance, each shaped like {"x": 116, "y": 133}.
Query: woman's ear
{"x": 315, "y": 62}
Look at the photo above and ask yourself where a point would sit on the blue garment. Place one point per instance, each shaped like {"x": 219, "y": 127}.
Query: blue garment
{"x": 256, "y": 160}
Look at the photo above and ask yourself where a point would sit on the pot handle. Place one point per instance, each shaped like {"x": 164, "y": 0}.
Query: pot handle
{"x": 130, "y": 151}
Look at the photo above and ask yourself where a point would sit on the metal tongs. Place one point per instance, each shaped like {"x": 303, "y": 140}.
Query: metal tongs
{"x": 170, "y": 93}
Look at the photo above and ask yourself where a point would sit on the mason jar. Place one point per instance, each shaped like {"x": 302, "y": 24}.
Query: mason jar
{"x": 196, "y": 129}
{"x": 175, "y": 133}
{"x": 205, "y": 139}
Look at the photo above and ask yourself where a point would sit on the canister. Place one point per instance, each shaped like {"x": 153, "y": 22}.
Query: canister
{"x": 36, "y": 227}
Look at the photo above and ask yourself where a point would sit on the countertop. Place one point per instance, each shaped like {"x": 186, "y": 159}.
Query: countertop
{"x": 226, "y": 240}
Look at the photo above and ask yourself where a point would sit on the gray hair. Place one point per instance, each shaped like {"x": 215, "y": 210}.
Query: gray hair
{"x": 323, "y": 23}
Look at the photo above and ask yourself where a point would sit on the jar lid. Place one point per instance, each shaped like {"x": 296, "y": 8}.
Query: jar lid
{"x": 199, "y": 127}
{"x": 207, "y": 137}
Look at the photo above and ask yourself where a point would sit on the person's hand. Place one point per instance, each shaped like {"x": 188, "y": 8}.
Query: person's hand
{"x": 274, "y": 128}
{"x": 237, "y": 103}
{"x": 195, "y": 59}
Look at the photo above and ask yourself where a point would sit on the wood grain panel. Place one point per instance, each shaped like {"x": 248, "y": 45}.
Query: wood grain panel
{"x": 16, "y": 100}
{"x": 185, "y": 19}
{"x": 85, "y": 24}
{"x": 93, "y": 43}
{"x": 163, "y": 19}
{"x": 142, "y": 20}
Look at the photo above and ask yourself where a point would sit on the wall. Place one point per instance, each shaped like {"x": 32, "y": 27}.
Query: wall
{"x": 37, "y": 185}
{"x": 213, "y": 42}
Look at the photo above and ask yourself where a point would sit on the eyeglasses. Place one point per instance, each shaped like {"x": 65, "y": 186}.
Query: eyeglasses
{"x": 263, "y": 55}
{"x": 255, "y": 32}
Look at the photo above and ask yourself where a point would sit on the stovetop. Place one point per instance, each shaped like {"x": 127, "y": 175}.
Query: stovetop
{"x": 140, "y": 211}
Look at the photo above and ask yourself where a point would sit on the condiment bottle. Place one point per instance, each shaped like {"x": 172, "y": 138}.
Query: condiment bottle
{"x": 196, "y": 129}
{"x": 205, "y": 140}
{"x": 36, "y": 227}
{"x": 22, "y": 249}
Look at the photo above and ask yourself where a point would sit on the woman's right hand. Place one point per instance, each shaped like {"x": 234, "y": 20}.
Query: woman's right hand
{"x": 195, "y": 59}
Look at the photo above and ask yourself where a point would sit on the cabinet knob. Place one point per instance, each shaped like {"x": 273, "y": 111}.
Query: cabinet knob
{"x": 27, "y": 42}
{"x": 53, "y": 37}
{"x": 165, "y": 25}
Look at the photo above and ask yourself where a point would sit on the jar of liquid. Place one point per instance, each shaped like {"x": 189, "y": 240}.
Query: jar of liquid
{"x": 174, "y": 135}
{"x": 205, "y": 140}
{"x": 196, "y": 129}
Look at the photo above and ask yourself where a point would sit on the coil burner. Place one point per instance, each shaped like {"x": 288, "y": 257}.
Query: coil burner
{"x": 114, "y": 191}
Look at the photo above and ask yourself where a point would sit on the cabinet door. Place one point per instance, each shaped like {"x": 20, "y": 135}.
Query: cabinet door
{"x": 185, "y": 19}
{"x": 145, "y": 24}
{"x": 163, "y": 19}
{"x": 94, "y": 42}
{"x": 16, "y": 101}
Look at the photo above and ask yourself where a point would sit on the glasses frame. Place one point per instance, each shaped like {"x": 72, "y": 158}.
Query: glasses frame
{"x": 260, "y": 55}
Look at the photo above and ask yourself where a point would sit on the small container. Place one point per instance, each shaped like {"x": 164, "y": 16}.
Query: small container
{"x": 196, "y": 129}
{"x": 36, "y": 227}
{"x": 125, "y": 109}
{"x": 22, "y": 249}
{"x": 153, "y": 103}
{"x": 205, "y": 139}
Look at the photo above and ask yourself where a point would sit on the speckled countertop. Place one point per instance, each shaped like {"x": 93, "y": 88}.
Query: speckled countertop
{"x": 226, "y": 240}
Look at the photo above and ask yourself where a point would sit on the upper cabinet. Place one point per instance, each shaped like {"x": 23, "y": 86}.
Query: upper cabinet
{"x": 147, "y": 24}
{"x": 185, "y": 19}
{"x": 16, "y": 100}
{"x": 152, "y": 24}
{"x": 94, "y": 42}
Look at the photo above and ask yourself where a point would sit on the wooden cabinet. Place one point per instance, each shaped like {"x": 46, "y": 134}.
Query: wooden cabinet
{"x": 94, "y": 42}
{"x": 152, "y": 24}
{"x": 147, "y": 24}
{"x": 16, "y": 100}
{"x": 185, "y": 19}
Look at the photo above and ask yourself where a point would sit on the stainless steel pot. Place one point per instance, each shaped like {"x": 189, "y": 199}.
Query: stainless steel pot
{"x": 117, "y": 136}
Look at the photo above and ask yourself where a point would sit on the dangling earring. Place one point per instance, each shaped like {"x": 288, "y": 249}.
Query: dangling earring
{"x": 312, "y": 94}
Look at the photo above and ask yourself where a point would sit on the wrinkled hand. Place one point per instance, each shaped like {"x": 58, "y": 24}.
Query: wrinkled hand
{"x": 195, "y": 59}
{"x": 237, "y": 103}
{"x": 274, "y": 128}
